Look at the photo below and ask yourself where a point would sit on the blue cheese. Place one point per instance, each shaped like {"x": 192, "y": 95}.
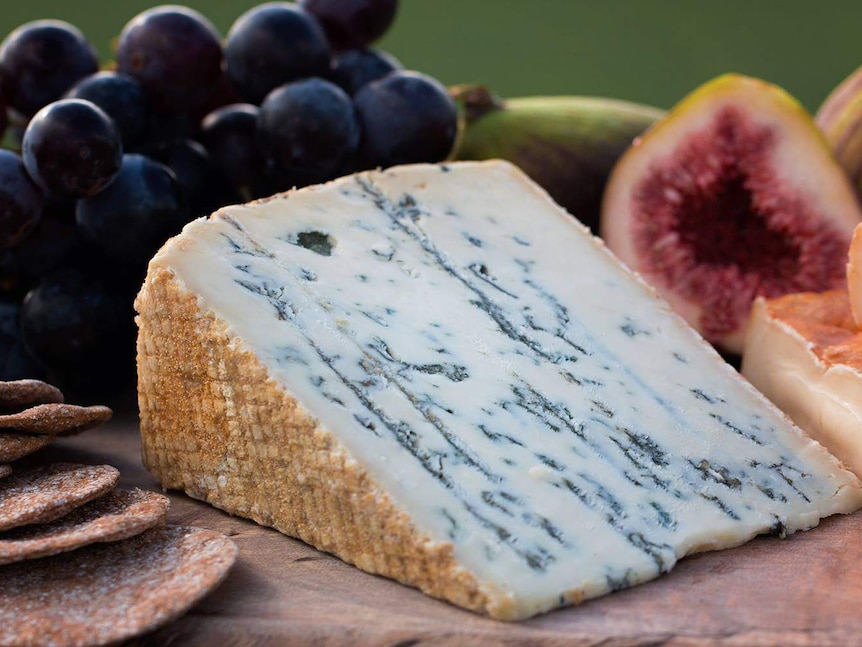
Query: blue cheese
{"x": 510, "y": 388}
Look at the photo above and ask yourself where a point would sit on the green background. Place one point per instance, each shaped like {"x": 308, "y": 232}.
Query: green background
{"x": 652, "y": 51}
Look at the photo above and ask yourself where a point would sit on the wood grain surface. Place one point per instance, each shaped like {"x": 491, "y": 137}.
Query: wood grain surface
{"x": 803, "y": 590}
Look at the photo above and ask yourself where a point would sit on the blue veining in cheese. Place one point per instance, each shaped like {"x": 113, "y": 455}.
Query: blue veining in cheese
{"x": 507, "y": 382}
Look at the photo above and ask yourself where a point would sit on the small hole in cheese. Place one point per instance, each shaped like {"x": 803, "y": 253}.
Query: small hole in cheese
{"x": 316, "y": 241}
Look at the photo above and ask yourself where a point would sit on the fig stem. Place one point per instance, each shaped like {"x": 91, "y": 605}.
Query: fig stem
{"x": 475, "y": 100}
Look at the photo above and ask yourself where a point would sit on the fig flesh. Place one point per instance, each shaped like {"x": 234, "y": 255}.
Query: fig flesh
{"x": 731, "y": 196}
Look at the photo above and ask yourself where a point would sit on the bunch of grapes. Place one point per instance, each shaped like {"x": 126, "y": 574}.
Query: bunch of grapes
{"x": 100, "y": 168}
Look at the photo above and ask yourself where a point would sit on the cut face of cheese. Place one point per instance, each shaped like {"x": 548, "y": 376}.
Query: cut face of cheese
{"x": 438, "y": 375}
{"x": 804, "y": 352}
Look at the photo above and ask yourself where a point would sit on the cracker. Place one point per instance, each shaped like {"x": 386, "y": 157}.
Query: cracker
{"x": 111, "y": 592}
{"x": 117, "y": 515}
{"x": 55, "y": 419}
{"x": 5, "y": 470}
{"x": 20, "y": 394}
{"x": 46, "y": 493}
{"x": 15, "y": 446}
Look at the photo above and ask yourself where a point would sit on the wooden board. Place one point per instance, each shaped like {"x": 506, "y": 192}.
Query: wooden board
{"x": 803, "y": 590}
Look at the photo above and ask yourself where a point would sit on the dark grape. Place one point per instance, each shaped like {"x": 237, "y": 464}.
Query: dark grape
{"x": 73, "y": 325}
{"x": 204, "y": 188}
{"x": 354, "y": 69}
{"x": 405, "y": 117}
{"x": 230, "y": 136}
{"x": 136, "y": 214}
{"x": 55, "y": 242}
{"x": 271, "y": 45}
{"x": 123, "y": 100}
{"x": 223, "y": 94}
{"x": 166, "y": 127}
{"x": 174, "y": 52}
{"x": 21, "y": 200}
{"x": 307, "y": 130}
{"x": 351, "y": 24}
{"x": 15, "y": 362}
{"x": 40, "y": 61}
{"x": 71, "y": 148}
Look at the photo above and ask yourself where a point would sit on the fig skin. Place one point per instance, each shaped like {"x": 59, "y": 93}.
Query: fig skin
{"x": 777, "y": 208}
{"x": 567, "y": 144}
{"x": 840, "y": 120}
{"x": 854, "y": 275}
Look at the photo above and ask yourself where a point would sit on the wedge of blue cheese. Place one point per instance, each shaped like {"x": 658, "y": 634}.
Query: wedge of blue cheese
{"x": 438, "y": 375}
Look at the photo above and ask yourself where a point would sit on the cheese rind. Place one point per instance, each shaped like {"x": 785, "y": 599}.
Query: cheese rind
{"x": 437, "y": 374}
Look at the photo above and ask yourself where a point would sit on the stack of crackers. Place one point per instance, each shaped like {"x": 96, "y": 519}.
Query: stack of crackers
{"x": 83, "y": 563}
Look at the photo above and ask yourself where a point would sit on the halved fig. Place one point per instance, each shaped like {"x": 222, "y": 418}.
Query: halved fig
{"x": 733, "y": 195}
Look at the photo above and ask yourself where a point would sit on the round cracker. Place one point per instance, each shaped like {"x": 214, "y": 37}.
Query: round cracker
{"x": 111, "y": 592}
{"x": 15, "y": 446}
{"x": 55, "y": 419}
{"x": 5, "y": 470}
{"x": 16, "y": 395}
{"x": 117, "y": 515}
{"x": 42, "y": 494}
